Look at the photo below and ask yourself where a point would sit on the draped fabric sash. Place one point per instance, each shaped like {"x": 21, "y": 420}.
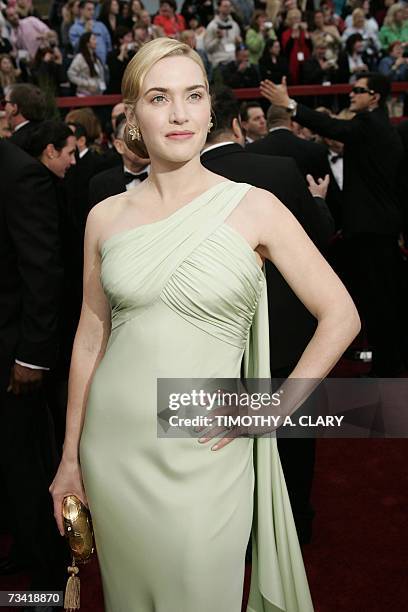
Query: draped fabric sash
{"x": 278, "y": 580}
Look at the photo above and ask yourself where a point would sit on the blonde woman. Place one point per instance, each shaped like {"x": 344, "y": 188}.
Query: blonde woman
{"x": 174, "y": 287}
{"x": 363, "y": 26}
{"x": 395, "y": 26}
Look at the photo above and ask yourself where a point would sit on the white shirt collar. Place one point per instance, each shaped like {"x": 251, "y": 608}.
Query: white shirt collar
{"x": 218, "y": 144}
{"x": 145, "y": 169}
{"x": 20, "y": 125}
{"x": 279, "y": 127}
{"x": 82, "y": 154}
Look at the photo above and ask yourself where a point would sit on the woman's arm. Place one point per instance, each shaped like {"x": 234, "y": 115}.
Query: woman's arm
{"x": 89, "y": 347}
{"x": 90, "y": 339}
{"x": 283, "y": 241}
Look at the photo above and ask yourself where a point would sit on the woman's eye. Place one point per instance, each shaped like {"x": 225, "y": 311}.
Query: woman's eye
{"x": 198, "y": 96}
{"x": 158, "y": 98}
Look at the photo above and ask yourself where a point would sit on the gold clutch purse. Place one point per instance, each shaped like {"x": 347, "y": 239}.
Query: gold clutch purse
{"x": 78, "y": 531}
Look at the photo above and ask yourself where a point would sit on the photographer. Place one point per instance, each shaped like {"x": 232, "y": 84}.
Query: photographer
{"x": 47, "y": 71}
{"x": 296, "y": 43}
{"x": 319, "y": 69}
{"x": 240, "y": 74}
{"x": 222, "y": 36}
{"x": 258, "y": 33}
{"x": 118, "y": 59}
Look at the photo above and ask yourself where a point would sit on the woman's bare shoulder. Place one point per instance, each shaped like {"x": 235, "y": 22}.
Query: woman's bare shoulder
{"x": 103, "y": 214}
{"x": 261, "y": 201}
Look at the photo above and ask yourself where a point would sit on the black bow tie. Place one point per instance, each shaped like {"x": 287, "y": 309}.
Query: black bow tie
{"x": 129, "y": 177}
{"x": 335, "y": 158}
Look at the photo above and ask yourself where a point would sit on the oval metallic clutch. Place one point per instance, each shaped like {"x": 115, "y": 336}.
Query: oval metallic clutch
{"x": 78, "y": 528}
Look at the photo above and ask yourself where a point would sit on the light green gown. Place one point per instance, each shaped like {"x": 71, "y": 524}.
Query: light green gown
{"x": 171, "y": 517}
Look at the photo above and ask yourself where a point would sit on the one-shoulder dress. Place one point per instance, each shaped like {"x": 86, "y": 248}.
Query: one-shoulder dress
{"x": 172, "y": 518}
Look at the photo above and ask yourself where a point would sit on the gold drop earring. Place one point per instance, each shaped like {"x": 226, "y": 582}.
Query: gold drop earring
{"x": 210, "y": 125}
{"x": 134, "y": 132}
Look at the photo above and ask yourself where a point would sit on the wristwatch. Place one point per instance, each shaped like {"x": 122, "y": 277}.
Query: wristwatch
{"x": 292, "y": 107}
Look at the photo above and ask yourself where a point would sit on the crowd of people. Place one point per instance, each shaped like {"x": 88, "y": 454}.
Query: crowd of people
{"x": 343, "y": 176}
{"x": 83, "y": 47}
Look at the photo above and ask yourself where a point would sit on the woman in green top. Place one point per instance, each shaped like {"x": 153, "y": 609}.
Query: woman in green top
{"x": 395, "y": 27}
{"x": 260, "y": 30}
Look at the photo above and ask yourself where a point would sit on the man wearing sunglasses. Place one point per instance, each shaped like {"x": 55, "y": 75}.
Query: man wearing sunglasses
{"x": 371, "y": 216}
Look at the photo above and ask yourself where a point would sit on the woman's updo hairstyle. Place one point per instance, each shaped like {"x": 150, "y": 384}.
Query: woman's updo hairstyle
{"x": 149, "y": 54}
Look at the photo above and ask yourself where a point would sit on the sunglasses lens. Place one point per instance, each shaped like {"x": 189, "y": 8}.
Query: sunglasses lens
{"x": 359, "y": 90}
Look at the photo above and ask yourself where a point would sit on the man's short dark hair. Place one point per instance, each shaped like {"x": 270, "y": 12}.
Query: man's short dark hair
{"x": 172, "y": 3}
{"x": 276, "y": 116}
{"x": 245, "y": 107}
{"x": 377, "y": 82}
{"x": 225, "y": 109}
{"x": 84, "y": 2}
{"x": 49, "y": 132}
{"x": 30, "y": 101}
{"x": 79, "y": 130}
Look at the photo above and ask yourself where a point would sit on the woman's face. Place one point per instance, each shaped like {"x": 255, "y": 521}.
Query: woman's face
{"x": 275, "y": 49}
{"x": 397, "y": 51}
{"x": 114, "y": 7}
{"x": 358, "y": 47}
{"x": 136, "y": 7}
{"x": 173, "y": 110}
{"x": 166, "y": 10}
{"x": 399, "y": 16}
{"x": 6, "y": 65}
{"x": 261, "y": 20}
{"x": 359, "y": 21}
{"x": 319, "y": 20}
{"x": 75, "y": 9}
{"x": 294, "y": 18}
{"x": 92, "y": 42}
{"x": 145, "y": 18}
{"x": 127, "y": 39}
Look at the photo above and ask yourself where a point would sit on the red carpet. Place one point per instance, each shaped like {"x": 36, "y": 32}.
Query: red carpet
{"x": 357, "y": 560}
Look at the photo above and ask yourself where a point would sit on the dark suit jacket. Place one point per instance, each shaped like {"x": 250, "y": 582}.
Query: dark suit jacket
{"x": 373, "y": 155}
{"x": 106, "y": 184}
{"x": 309, "y": 156}
{"x": 290, "y": 324}
{"x": 30, "y": 268}
{"x": 22, "y": 137}
{"x": 76, "y": 188}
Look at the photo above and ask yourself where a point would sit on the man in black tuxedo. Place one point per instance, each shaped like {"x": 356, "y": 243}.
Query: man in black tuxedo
{"x": 31, "y": 276}
{"x": 78, "y": 177}
{"x": 121, "y": 178}
{"x": 310, "y": 157}
{"x": 291, "y": 326}
{"x": 372, "y": 159}
{"x": 25, "y": 109}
